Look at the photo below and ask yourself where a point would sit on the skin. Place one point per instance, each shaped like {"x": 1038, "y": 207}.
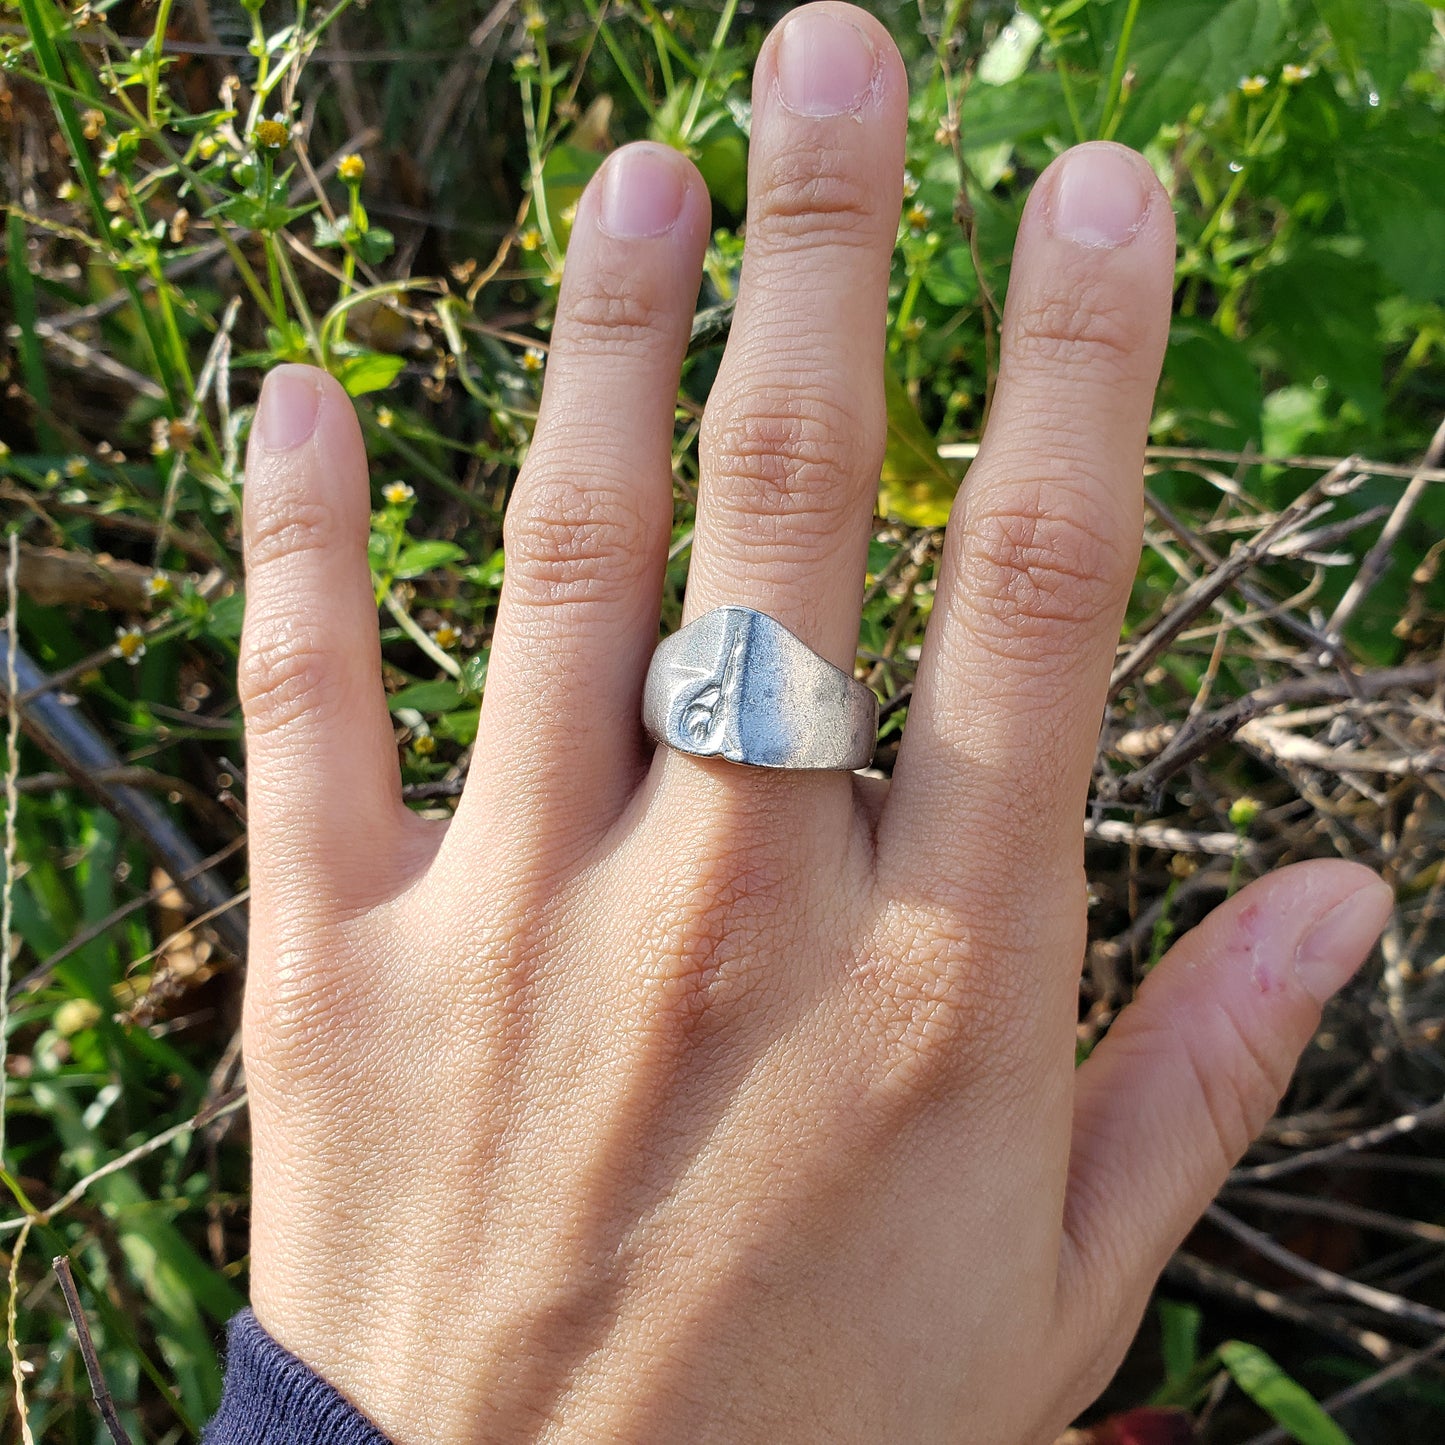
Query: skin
{"x": 653, "y": 1099}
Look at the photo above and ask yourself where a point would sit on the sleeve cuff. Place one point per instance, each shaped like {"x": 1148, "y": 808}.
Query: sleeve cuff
{"x": 271, "y": 1398}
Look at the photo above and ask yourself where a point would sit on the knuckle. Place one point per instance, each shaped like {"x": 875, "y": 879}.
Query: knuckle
{"x": 566, "y": 544}
{"x": 285, "y": 672}
{"x": 616, "y": 312}
{"x": 293, "y": 528}
{"x": 939, "y": 1015}
{"x": 720, "y": 936}
{"x": 1238, "y": 1079}
{"x": 810, "y": 194}
{"x": 793, "y": 471}
{"x": 1085, "y": 330}
{"x": 1041, "y": 559}
{"x": 293, "y": 1011}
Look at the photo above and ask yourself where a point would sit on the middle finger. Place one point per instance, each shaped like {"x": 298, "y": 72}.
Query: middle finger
{"x": 795, "y": 428}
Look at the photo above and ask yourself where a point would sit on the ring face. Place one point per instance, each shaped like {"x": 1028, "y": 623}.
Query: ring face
{"x": 736, "y": 684}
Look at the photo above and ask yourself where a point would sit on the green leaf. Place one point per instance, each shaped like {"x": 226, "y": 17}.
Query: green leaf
{"x": 1379, "y": 41}
{"x": 375, "y": 244}
{"x": 430, "y": 697}
{"x": 723, "y": 161}
{"x": 368, "y": 371}
{"x": 1315, "y": 310}
{"x": 1032, "y": 108}
{"x": 1210, "y": 386}
{"x": 1187, "y": 51}
{"x": 1284, "y": 1400}
{"x": 1393, "y": 187}
{"x": 915, "y": 486}
{"x": 1009, "y": 55}
{"x": 422, "y": 557}
{"x": 950, "y": 278}
{"x": 460, "y": 726}
{"x": 565, "y": 174}
{"x": 226, "y": 615}
{"x": 474, "y": 673}
{"x": 1179, "y": 1338}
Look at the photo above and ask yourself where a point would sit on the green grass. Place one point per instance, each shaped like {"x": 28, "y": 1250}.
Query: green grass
{"x": 165, "y": 244}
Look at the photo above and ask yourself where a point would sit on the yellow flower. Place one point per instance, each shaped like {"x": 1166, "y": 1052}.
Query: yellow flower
{"x": 158, "y": 585}
{"x": 92, "y": 122}
{"x": 568, "y": 213}
{"x": 130, "y": 644}
{"x": 385, "y": 418}
{"x": 446, "y": 635}
{"x": 533, "y": 359}
{"x": 913, "y": 328}
{"x": 271, "y": 135}
{"x": 918, "y": 216}
{"x": 534, "y": 22}
{"x": 1254, "y": 86}
{"x": 76, "y": 467}
{"x": 207, "y": 147}
{"x": 424, "y": 745}
{"x": 1243, "y": 812}
{"x": 530, "y": 239}
{"x": 910, "y": 185}
{"x": 75, "y": 1015}
{"x": 397, "y": 494}
{"x": 66, "y": 191}
{"x": 351, "y": 168}
{"x": 1296, "y": 74}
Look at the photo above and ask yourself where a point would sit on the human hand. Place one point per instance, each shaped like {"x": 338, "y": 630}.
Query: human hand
{"x": 657, "y": 1099}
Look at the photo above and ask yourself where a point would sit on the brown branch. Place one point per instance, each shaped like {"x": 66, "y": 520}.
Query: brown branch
{"x": 1334, "y": 1153}
{"x": 967, "y": 451}
{"x": 1207, "y": 589}
{"x": 1331, "y": 1281}
{"x": 1340, "y": 1209}
{"x": 1210, "y": 729}
{"x": 1378, "y": 557}
{"x": 1188, "y": 1269}
{"x": 53, "y": 577}
{"x": 98, "y": 1388}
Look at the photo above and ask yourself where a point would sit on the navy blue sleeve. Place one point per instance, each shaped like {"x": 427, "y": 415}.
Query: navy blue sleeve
{"x": 271, "y": 1398}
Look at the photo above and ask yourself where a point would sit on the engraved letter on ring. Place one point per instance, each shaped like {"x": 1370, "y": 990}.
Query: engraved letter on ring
{"x": 736, "y": 684}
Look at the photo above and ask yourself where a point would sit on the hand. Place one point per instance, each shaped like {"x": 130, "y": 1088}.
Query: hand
{"x": 656, "y": 1099}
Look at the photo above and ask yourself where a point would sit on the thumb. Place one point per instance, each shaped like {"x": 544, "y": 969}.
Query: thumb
{"x": 1194, "y": 1068}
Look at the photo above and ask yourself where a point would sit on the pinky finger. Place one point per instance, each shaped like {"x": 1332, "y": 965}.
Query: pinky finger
{"x": 1193, "y": 1070}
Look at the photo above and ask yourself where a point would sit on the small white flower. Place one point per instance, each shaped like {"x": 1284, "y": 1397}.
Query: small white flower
{"x": 130, "y": 644}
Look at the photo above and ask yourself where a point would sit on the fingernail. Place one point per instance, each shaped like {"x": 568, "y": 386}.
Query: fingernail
{"x": 1334, "y": 948}
{"x": 286, "y": 413}
{"x": 1100, "y": 199}
{"x": 825, "y": 64}
{"x": 642, "y": 191}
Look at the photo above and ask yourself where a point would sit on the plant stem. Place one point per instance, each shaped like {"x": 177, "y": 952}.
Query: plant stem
{"x": 1113, "y": 110}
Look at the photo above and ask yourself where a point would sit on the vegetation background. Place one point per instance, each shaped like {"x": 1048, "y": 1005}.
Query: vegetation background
{"x": 196, "y": 189}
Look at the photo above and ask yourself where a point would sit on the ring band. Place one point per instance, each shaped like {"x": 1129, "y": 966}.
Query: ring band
{"x": 736, "y": 684}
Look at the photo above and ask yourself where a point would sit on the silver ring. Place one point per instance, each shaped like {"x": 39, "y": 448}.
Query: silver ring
{"x": 736, "y": 684}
